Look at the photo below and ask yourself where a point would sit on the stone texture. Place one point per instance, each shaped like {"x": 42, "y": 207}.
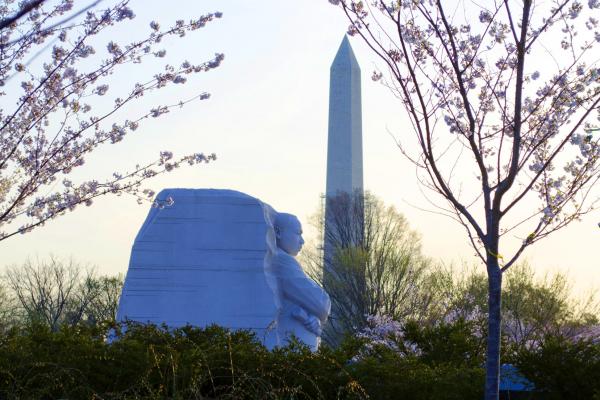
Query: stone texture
{"x": 202, "y": 261}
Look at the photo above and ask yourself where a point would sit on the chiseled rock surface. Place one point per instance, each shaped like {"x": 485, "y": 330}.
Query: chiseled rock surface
{"x": 205, "y": 259}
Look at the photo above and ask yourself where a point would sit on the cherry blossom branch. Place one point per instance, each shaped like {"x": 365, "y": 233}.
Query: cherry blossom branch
{"x": 25, "y": 9}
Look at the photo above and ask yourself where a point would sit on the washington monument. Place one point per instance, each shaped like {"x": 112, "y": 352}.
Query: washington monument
{"x": 344, "y": 208}
{"x": 344, "y": 145}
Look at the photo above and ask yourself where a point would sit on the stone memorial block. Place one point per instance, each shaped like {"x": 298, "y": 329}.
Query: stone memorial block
{"x": 211, "y": 257}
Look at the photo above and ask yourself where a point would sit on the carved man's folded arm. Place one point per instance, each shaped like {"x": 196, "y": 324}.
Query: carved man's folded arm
{"x": 304, "y": 292}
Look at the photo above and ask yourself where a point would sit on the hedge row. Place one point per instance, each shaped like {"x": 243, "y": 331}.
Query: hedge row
{"x": 149, "y": 362}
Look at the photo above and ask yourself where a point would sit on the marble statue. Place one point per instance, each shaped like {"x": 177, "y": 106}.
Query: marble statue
{"x": 222, "y": 257}
{"x": 305, "y": 306}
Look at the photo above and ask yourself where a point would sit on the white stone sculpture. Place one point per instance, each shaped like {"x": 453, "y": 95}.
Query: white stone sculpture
{"x": 212, "y": 257}
{"x": 305, "y": 306}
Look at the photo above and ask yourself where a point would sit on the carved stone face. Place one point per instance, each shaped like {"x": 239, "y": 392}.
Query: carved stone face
{"x": 289, "y": 235}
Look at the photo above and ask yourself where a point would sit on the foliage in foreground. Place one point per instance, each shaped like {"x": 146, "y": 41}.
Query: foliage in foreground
{"x": 154, "y": 362}
{"x": 564, "y": 369}
{"x": 149, "y": 362}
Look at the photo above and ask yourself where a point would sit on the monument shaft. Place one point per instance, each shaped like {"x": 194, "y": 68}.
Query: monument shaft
{"x": 344, "y": 209}
{"x": 344, "y": 145}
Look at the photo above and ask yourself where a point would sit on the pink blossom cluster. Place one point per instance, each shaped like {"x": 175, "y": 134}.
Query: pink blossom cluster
{"x": 55, "y": 124}
{"x": 384, "y": 331}
{"x": 591, "y": 333}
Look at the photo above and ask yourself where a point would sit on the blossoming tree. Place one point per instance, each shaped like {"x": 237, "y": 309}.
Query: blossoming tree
{"x": 48, "y": 54}
{"x": 503, "y": 96}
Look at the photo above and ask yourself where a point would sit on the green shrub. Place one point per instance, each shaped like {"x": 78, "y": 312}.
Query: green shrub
{"x": 561, "y": 368}
{"x": 447, "y": 343}
{"x": 386, "y": 375}
{"x": 150, "y": 362}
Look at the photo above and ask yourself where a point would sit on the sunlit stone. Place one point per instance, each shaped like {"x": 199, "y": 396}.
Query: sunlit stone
{"x": 211, "y": 257}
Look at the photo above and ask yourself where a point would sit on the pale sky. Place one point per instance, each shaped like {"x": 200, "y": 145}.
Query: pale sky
{"x": 267, "y": 122}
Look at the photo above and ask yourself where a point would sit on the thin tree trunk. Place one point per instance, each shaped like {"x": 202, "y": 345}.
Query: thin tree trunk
{"x": 492, "y": 364}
